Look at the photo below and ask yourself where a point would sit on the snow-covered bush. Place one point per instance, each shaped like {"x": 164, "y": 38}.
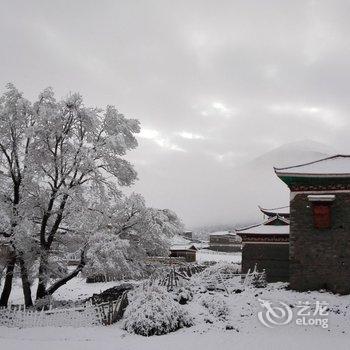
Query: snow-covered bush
{"x": 255, "y": 279}
{"x": 183, "y": 295}
{"x": 216, "y": 306}
{"x": 259, "y": 280}
{"x": 221, "y": 276}
{"x": 152, "y": 311}
{"x": 223, "y": 268}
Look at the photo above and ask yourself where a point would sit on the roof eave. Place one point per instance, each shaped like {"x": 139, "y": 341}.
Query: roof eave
{"x": 313, "y": 162}
{"x": 301, "y": 175}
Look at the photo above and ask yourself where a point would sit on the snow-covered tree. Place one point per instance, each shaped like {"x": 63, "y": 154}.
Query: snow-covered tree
{"x": 59, "y": 162}
{"x": 128, "y": 233}
{"x": 16, "y": 119}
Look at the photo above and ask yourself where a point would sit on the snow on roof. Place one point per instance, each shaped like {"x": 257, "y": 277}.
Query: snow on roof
{"x": 179, "y": 240}
{"x": 338, "y": 165}
{"x": 183, "y": 247}
{"x": 221, "y": 233}
{"x": 321, "y": 198}
{"x": 265, "y": 230}
{"x": 281, "y": 210}
{"x": 276, "y": 218}
{"x": 201, "y": 245}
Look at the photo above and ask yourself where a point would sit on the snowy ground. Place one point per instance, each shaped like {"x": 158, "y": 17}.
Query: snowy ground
{"x": 112, "y": 337}
{"x": 249, "y": 333}
{"x": 204, "y": 255}
{"x": 76, "y": 289}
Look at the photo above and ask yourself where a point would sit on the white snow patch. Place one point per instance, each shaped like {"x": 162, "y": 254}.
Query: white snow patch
{"x": 205, "y": 255}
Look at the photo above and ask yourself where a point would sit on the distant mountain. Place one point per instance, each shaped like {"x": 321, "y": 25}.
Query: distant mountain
{"x": 294, "y": 153}
{"x": 255, "y": 183}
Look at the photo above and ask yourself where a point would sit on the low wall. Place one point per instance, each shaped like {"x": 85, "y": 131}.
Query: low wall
{"x": 271, "y": 257}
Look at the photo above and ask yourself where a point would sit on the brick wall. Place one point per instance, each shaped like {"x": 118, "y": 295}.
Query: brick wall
{"x": 320, "y": 258}
{"x": 271, "y": 257}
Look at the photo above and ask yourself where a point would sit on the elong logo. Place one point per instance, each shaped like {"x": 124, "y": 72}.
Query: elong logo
{"x": 278, "y": 313}
{"x": 274, "y": 315}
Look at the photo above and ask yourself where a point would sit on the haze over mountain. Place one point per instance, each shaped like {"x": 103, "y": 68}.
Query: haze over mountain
{"x": 294, "y": 153}
{"x": 260, "y": 185}
{"x": 224, "y": 195}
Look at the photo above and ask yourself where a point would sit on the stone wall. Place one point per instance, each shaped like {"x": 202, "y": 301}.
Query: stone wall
{"x": 271, "y": 257}
{"x": 320, "y": 258}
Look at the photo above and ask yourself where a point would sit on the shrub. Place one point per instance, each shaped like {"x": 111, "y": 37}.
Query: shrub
{"x": 221, "y": 276}
{"x": 255, "y": 279}
{"x": 259, "y": 280}
{"x": 216, "y": 305}
{"x": 223, "y": 268}
{"x": 152, "y": 311}
{"x": 183, "y": 295}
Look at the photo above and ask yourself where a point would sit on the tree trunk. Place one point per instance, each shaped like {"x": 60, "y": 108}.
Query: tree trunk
{"x": 42, "y": 277}
{"x": 5, "y": 295}
{"x": 27, "y": 293}
{"x": 67, "y": 278}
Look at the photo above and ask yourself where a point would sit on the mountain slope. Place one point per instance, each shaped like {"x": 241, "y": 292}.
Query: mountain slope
{"x": 294, "y": 153}
{"x": 256, "y": 183}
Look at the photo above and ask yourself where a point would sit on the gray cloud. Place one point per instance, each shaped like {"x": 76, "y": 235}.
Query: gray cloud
{"x": 214, "y": 83}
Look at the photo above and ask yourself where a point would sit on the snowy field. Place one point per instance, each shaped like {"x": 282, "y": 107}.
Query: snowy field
{"x": 204, "y": 255}
{"x": 76, "y": 289}
{"x": 247, "y": 332}
{"x": 108, "y": 338}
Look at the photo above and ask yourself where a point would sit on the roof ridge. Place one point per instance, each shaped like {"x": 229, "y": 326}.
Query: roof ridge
{"x": 261, "y": 208}
{"x": 251, "y": 226}
{"x": 276, "y": 217}
{"x": 313, "y": 162}
{"x": 272, "y": 218}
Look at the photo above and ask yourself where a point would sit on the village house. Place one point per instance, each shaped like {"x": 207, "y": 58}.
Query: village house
{"x": 319, "y": 249}
{"x": 187, "y": 234}
{"x": 266, "y": 246}
{"x": 188, "y": 252}
{"x": 224, "y": 241}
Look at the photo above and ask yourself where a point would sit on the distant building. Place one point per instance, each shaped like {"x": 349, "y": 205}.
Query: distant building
{"x": 319, "y": 249}
{"x": 266, "y": 246}
{"x": 188, "y": 252}
{"x": 224, "y": 241}
{"x": 187, "y": 234}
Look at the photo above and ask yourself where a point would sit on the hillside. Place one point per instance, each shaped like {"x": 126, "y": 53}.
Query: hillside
{"x": 255, "y": 183}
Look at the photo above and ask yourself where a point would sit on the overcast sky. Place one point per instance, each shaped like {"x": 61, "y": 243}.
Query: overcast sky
{"x": 214, "y": 83}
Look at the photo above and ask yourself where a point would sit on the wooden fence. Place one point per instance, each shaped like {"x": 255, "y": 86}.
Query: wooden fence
{"x": 175, "y": 275}
{"x": 81, "y": 316}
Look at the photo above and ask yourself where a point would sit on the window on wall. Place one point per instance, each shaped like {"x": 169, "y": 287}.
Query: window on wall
{"x": 322, "y": 215}
{"x": 321, "y": 206}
